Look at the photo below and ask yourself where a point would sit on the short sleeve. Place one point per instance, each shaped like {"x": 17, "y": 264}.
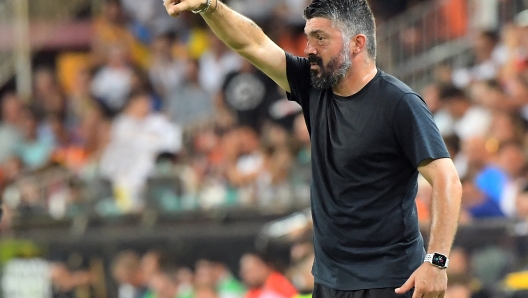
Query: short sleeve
{"x": 416, "y": 131}
{"x": 298, "y": 74}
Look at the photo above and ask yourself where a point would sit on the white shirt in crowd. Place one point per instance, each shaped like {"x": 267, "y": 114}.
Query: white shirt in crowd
{"x": 130, "y": 157}
{"x": 213, "y": 71}
{"x": 475, "y": 122}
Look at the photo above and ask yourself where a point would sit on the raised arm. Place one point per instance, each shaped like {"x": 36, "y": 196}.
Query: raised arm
{"x": 241, "y": 34}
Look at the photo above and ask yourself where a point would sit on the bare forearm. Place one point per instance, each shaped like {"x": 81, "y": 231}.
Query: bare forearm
{"x": 445, "y": 209}
{"x": 237, "y": 31}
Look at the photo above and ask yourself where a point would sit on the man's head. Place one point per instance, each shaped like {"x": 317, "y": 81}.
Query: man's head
{"x": 11, "y": 106}
{"x": 254, "y": 270}
{"x": 125, "y": 267}
{"x": 138, "y": 104}
{"x": 210, "y": 271}
{"x": 338, "y": 31}
{"x": 151, "y": 263}
{"x": 163, "y": 285}
{"x": 454, "y": 100}
{"x": 484, "y": 44}
{"x": 162, "y": 47}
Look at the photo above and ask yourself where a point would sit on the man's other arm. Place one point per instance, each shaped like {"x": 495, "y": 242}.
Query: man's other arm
{"x": 241, "y": 34}
{"x": 428, "y": 280}
{"x": 445, "y": 203}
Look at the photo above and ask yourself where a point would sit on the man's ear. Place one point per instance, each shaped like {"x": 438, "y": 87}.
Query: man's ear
{"x": 358, "y": 43}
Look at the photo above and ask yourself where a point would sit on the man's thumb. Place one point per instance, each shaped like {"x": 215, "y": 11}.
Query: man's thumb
{"x": 178, "y": 8}
{"x": 409, "y": 284}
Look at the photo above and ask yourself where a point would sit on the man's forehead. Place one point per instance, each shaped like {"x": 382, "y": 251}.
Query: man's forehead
{"x": 318, "y": 24}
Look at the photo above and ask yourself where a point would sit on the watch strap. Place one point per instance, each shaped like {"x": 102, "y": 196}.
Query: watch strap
{"x": 203, "y": 9}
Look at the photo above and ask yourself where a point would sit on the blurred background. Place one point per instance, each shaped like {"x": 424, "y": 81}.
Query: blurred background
{"x": 140, "y": 157}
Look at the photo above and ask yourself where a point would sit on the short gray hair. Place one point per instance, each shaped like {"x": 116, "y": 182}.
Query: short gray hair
{"x": 352, "y": 17}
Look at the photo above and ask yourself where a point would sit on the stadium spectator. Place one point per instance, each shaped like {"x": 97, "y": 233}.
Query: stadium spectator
{"x": 80, "y": 101}
{"x": 34, "y": 150}
{"x": 138, "y": 136}
{"x": 244, "y": 161}
{"x": 273, "y": 183}
{"x": 475, "y": 154}
{"x": 477, "y": 204}
{"x": 113, "y": 82}
{"x": 300, "y": 273}
{"x": 213, "y": 273}
{"x": 48, "y": 96}
{"x": 188, "y": 103}
{"x": 485, "y": 65}
{"x": 110, "y": 30}
{"x": 499, "y": 181}
{"x": 165, "y": 71}
{"x": 262, "y": 279}
{"x": 490, "y": 95}
{"x": 162, "y": 284}
{"x": 69, "y": 282}
{"x": 248, "y": 94}
{"x": 10, "y": 134}
{"x": 443, "y": 120}
{"x": 216, "y": 63}
{"x": 126, "y": 271}
{"x": 469, "y": 120}
{"x": 505, "y": 128}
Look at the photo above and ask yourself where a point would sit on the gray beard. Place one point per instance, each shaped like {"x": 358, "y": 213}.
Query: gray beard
{"x": 330, "y": 75}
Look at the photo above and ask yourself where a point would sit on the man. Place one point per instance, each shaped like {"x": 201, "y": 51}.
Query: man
{"x": 370, "y": 136}
{"x": 213, "y": 273}
{"x": 126, "y": 271}
{"x": 468, "y": 120}
{"x": 262, "y": 280}
{"x": 138, "y": 135}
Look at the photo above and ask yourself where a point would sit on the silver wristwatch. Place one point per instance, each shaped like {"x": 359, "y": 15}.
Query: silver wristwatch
{"x": 203, "y": 9}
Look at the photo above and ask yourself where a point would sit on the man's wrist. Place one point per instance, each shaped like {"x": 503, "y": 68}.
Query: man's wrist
{"x": 212, "y": 7}
{"x": 203, "y": 8}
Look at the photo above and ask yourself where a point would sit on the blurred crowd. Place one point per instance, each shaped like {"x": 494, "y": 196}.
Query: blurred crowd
{"x": 481, "y": 112}
{"x": 155, "y": 273}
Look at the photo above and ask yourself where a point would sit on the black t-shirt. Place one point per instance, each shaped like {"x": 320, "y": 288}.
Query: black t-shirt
{"x": 249, "y": 96}
{"x": 365, "y": 152}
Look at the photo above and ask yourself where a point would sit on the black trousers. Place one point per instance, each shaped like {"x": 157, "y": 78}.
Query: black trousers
{"x": 321, "y": 291}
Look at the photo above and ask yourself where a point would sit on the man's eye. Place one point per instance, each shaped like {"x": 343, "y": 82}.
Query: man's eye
{"x": 320, "y": 38}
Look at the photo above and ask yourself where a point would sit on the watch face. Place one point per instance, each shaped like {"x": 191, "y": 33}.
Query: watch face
{"x": 439, "y": 260}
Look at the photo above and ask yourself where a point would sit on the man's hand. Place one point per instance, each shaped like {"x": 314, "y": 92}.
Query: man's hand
{"x": 175, "y": 7}
{"x": 428, "y": 281}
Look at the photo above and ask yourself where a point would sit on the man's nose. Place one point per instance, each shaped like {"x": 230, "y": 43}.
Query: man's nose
{"x": 309, "y": 49}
